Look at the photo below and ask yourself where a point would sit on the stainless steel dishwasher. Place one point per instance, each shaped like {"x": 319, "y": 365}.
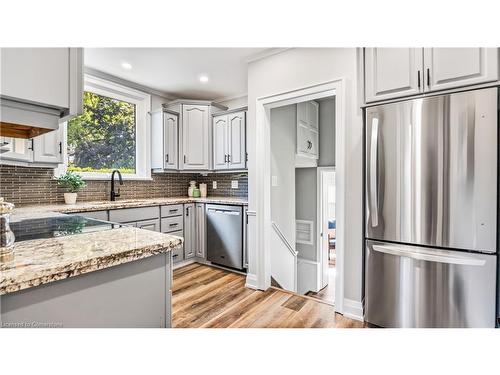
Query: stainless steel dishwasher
{"x": 225, "y": 235}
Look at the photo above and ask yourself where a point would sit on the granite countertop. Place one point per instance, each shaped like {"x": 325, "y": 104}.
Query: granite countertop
{"x": 29, "y": 211}
{"x": 37, "y": 262}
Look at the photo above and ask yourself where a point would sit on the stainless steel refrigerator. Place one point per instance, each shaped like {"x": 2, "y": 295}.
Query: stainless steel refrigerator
{"x": 431, "y": 211}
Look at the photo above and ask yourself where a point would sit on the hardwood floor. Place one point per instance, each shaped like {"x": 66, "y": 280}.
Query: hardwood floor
{"x": 209, "y": 297}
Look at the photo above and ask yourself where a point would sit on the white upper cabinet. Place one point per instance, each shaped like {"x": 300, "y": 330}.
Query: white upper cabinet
{"x": 196, "y": 137}
{"x": 16, "y": 149}
{"x": 399, "y": 72}
{"x": 236, "y": 140}
{"x": 392, "y": 73}
{"x": 446, "y": 68}
{"x": 307, "y": 129}
{"x": 38, "y": 75}
{"x": 220, "y": 142}
{"x": 48, "y": 148}
{"x": 171, "y": 140}
{"x": 52, "y": 77}
{"x": 229, "y": 141}
{"x": 164, "y": 140}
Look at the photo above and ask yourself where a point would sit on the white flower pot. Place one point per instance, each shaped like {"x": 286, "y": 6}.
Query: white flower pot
{"x": 70, "y": 198}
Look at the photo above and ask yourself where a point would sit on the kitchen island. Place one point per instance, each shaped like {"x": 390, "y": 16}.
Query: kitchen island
{"x": 117, "y": 277}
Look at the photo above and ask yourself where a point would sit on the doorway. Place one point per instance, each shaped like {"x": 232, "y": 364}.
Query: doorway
{"x": 260, "y": 276}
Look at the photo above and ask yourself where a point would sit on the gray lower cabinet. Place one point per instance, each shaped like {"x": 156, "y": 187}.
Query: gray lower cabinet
{"x": 189, "y": 230}
{"x": 178, "y": 254}
{"x": 172, "y": 222}
{"x": 201, "y": 233}
{"x": 134, "y": 294}
{"x": 98, "y": 215}
{"x": 153, "y": 224}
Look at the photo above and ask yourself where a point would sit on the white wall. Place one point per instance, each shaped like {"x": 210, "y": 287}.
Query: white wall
{"x": 293, "y": 69}
{"x": 157, "y": 101}
{"x": 326, "y": 133}
{"x": 283, "y": 141}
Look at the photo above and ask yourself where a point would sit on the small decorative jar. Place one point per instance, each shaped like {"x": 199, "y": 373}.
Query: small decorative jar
{"x": 196, "y": 193}
{"x": 7, "y": 237}
{"x": 192, "y": 186}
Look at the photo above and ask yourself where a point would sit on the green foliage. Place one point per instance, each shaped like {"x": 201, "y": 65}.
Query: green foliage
{"x": 103, "y": 137}
{"x": 71, "y": 181}
{"x": 72, "y": 168}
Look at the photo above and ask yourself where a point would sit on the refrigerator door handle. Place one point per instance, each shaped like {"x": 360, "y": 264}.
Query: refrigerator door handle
{"x": 374, "y": 173}
{"x": 431, "y": 256}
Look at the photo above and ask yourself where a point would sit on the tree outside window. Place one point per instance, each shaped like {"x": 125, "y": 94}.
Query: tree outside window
{"x": 103, "y": 138}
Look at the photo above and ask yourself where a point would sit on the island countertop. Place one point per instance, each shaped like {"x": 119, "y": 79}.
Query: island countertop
{"x": 41, "y": 261}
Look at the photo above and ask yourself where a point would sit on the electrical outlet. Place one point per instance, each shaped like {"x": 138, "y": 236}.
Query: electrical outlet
{"x": 234, "y": 184}
{"x": 274, "y": 181}
{"x": 214, "y": 185}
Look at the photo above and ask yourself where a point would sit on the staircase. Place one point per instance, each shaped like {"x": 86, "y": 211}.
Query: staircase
{"x": 283, "y": 260}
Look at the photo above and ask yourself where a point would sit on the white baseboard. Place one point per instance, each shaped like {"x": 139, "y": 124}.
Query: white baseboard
{"x": 182, "y": 263}
{"x": 353, "y": 309}
{"x": 251, "y": 281}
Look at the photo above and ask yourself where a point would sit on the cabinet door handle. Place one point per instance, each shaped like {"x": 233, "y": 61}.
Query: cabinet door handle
{"x": 166, "y": 158}
{"x": 187, "y": 211}
{"x": 225, "y": 158}
{"x": 60, "y": 147}
{"x": 32, "y": 148}
{"x": 229, "y": 158}
{"x": 428, "y": 77}
{"x": 418, "y": 79}
{"x": 184, "y": 158}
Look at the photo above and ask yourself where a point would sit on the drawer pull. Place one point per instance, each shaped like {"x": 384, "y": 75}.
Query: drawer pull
{"x": 173, "y": 224}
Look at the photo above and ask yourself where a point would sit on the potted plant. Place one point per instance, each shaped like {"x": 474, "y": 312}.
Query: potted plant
{"x": 73, "y": 183}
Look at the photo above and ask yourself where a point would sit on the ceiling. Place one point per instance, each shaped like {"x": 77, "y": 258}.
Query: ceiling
{"x": 177, "y": 71}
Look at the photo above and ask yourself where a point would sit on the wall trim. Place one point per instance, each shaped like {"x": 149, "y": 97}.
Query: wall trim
{"x": 353, "y": 309}
{"x": 267, "y": 53}
{"x": 251, "y": 281}
{"x": 260, "y": 171}
{"x": 232, "y": 97}
{"x": 125, "y": 82}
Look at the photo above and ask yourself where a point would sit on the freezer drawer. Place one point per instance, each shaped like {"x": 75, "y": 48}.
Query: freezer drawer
{"x": 431, "y": 171}
{"x": 410, "y": 286}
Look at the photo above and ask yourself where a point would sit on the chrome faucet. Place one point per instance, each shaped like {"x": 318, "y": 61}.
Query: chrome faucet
{"x": 114, "y": 195}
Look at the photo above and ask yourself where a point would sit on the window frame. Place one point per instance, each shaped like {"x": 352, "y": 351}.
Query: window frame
{"x": 142, "y": 102}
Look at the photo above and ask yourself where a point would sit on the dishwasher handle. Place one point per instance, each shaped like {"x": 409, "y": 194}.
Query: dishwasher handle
{"x": 224, "y": 212}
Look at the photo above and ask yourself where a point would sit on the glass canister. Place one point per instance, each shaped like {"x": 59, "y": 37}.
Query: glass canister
{"x": 192, "y": 186}
{"x": 7, "y": 237}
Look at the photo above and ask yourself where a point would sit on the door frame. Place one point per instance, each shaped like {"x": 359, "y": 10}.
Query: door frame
{"x": 262, "y": 174}
{"x": 322, "y": 240}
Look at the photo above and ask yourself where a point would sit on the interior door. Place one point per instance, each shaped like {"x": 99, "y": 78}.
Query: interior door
{"x": 220, "y": 132}
{"x": 195, "y": 133}
{"x": 447, "y": 68}
{"x": 392, "y": 73}
{"x": 171, "y": 141}
{"x": 236, "y": 140}
{"x": 431, "y": 171}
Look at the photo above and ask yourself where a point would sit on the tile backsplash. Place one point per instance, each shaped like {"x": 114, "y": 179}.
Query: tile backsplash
{"x": 28, "y": 185}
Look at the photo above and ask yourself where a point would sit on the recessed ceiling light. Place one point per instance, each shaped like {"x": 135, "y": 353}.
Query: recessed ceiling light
{"x": 126, "y": 65}
{"x": 203, "y": 78}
